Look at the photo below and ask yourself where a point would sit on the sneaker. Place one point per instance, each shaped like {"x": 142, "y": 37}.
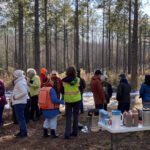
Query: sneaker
{"x": 17, "y": 134}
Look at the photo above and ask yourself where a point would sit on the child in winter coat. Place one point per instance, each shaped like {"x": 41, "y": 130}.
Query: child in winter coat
{"x": 50, "y": 110}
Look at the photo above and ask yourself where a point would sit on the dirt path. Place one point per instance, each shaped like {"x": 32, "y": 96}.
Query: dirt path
{"x": 85, "y": 141}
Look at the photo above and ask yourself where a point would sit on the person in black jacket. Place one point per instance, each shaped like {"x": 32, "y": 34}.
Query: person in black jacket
{"x": 107, "y": 90}
{"x": 123, "y": 94}
{"x": 81, "y": 88}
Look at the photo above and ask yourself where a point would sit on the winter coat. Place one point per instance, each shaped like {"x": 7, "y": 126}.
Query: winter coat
{"x": 34, "y": 85}
{"x": 97, "y": 89}
{"x": 52, "y": 113}
{"x": 145, "y": 92}
{"x": 123, "y": 91}
{"x": 82, "y": 85}
{"x": 108, "y": 90}
{"x": 20, "y": 91}
{"x": 42, "y": 77}
{"x": 2, "y": 94}
{"x": 57, "y": 84}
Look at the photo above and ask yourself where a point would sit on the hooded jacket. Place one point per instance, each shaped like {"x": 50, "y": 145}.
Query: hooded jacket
{"x": 2, "y": 94}
{"x": 123, "y": 91}
{"x": 97, "y": 89}
{"x": 71, "y": 89}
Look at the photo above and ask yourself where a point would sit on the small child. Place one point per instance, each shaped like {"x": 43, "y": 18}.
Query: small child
{"x": 49, "y": 103}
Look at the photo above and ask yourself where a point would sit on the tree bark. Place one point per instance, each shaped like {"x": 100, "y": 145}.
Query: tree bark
{"x": 135, "y": 48}
{"x": 46, "y": 38}
{"x": 129, "y": 40}
{"x": 20, "y": 27}
{"x": 36, "y": 38}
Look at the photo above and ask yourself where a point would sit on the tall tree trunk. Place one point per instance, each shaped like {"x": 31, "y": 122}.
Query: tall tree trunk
{"x": 87, "y": 42}
{"x": 135, "y": 48}
{"x": 92, "y": 46}
{"x": 76, "y": 36}
{"x": 124, "y": 46}
{"x": 83, "y": 66}
{"x": 129, "y": 40}
{"x": 56, "y": 42}
{"x": 25, "y": 52}
{"x": 6, "y": 47}
{"x": 16, "y": 53}
{"x": 144, "y": 52}
{"x": 109, "y": 35}
{"x": 46, "y": 38}
{"x": 20, "y": 27}
{"x": 103, "y": 39}
{"x": 117, "y": 53}
{"x": 140, "y": 50}
{"x": 50, "y": 49}
{"x": 36, "y": 37}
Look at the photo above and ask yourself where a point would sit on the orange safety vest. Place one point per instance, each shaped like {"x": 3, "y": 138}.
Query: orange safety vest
{"x": 44, "y": 99}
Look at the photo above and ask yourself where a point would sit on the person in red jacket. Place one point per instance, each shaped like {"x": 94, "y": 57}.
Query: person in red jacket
{"x": 97, "y": 89}
{"x": 43, "y": 75}
{"x": 56, "y": 83}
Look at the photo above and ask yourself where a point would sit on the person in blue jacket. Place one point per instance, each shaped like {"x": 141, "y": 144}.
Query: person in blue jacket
{"x": 51, "y": 116}
{"x": 145, "y": 92}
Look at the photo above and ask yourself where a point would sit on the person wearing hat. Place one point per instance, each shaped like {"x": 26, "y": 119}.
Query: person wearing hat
{"x": 82, "y": 87}
{"x": 43, "y": 75}
{"x": 97, "y": 90}
{"x": 107, "y": 90}
{"x": 56, "y": 83}
{"x": 34, "y": 85}
{"x": 123, "y": 94}
{"x": 19, "y": 101}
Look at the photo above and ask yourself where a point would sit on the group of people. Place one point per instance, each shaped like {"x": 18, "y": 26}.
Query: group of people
{"x": 33, "y": 94}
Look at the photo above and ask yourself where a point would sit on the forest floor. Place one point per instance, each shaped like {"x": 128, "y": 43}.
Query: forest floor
{"x": 85, "y": 141}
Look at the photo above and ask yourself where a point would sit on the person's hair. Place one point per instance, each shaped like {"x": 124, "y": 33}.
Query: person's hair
{"x": 71, "y": 71}
{"x": 32, "y": 71}
{"x": 147, "y": 80}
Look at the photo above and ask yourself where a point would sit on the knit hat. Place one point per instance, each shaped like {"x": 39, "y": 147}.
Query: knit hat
{"x": 53, "y": 72}
{"x": 98, "y": 72}
{"x": 104, "y": 77}
{"x": 123, "y": 76}
{"x": 43, "y": 70}
{"x": 18, "y": 73}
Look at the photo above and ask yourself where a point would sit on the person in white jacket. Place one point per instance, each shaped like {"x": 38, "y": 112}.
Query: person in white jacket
{"x": 20, "y": 95}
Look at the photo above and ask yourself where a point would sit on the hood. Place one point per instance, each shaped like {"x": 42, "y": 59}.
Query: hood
{"x": 124, "y": 81}
{"x": 71, "y": 80}
{"x": 95, "y": 77}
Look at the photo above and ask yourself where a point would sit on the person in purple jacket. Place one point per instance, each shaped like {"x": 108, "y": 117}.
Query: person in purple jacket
{"x": 3, "y": 101}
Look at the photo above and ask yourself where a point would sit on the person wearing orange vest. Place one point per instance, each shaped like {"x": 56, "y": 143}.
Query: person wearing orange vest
{"x": 49, "y": 103}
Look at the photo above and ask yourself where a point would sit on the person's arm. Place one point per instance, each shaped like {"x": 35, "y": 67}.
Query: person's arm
{"x": 119, "y": 92}
{"x": 110, "y": 91}
{"x": 23, "y": 91}
{"x": 100, "y": 90}
{"x": 54, "y": 98}
{"x": 142, "y": 91}
{"x": 2, "y": 89}
{"x": 35, "y": 83}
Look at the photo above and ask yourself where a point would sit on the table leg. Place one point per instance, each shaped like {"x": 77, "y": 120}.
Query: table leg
{"x": 116, "y": 141}
{"x": 112, "y": 141}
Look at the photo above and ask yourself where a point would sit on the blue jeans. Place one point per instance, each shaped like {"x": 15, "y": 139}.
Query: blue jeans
{"x": 1, "y": 114}
{"x": 19, "y": 111}
{"x": 99, "y": 106}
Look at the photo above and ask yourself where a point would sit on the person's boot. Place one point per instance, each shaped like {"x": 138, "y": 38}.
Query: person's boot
{"x": 45, "y": 133}
{"x": 53, "y": 134}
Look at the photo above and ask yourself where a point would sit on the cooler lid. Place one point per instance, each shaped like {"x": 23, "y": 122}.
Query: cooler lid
{"x": 116, "y": 112}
